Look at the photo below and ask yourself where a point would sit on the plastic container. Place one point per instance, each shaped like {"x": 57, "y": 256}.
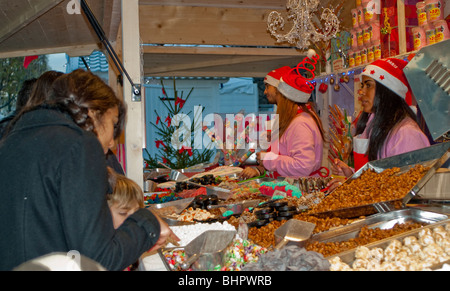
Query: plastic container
{"x": 376, "y": 31}
{"x": 430, "y": 33}
{"x": 420, "y": 38}
{"x": 370, "y": 53}
{"x": 359, "y": 37}
{"x": 363, "y": 56}
{"x": 421, "y": 13}
{"x": 442, "y": 31}
{"x": 354, "y": 38}
{"x": 360, "y": 15}
{"x": 358, "y": 58}
{"x": 367, "y": 34}
{"x": 435, "y": 10}
{"x": 351, "y": 58}
{"x": 377, "y": 49}
{"x": 369, "y": 11}
{"x": 355, "y": 22}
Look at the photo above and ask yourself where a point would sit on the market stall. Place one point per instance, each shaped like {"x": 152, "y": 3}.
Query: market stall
{"x": 392, "y": 214}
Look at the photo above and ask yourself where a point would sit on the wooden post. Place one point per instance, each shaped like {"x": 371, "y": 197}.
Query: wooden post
{"x": 401, "y": 26}
{"x": 134, "y": 129}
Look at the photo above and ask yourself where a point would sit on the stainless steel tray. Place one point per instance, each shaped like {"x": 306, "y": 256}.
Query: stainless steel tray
{"x": 349, "y": 256}
{"x": 434, "y": 157}
{"x": 380, "y": 220}
{"x": 171, "y": 207}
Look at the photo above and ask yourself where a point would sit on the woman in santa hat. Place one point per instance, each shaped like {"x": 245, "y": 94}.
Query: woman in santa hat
{"x": 297, "y": 146}
{"x": 387, "y": 126}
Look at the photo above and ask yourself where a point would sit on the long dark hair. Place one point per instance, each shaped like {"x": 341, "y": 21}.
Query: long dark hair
{"x": 75, "y": 94}
{"x": 389, "y": 110}
{"x": 80, "y": 91}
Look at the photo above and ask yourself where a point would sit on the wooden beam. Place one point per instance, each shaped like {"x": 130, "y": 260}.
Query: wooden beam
{"x": 72, "y": 51}
{"x": 206, "y": 25}
{"x": 267, "y": 4}
{"x": 135, "y": 126}
{"x": 199, "y": 50}
{"x": 26, "y": 16}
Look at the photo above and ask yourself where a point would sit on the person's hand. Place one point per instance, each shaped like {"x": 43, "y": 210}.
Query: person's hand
{"x": 248, "y": 173}
{"x": 165, "y": 234}
{"x": 340, "y": 168}
{"x": 333, "y": 184}
{"x": 260, "y": 157}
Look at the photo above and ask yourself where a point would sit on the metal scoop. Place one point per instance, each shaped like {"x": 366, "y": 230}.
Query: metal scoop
{"x": 206, "y": 250}
{"x": 293, "y": 230}
{"x": 175, "y": 175}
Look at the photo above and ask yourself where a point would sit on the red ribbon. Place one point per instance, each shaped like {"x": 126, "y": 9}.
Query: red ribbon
{"x": 180, "y": 101}
{"x": 157, "y": 120}
{"x": 168, "y": 120}
{"x": 159, "y": 143}
{"x": 183, "y": 149}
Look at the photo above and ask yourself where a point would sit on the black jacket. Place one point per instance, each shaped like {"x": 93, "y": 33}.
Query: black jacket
{"x": 53, "y": 182}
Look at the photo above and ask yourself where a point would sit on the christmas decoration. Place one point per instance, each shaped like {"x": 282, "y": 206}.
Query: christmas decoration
{"x": 171, "y": 151}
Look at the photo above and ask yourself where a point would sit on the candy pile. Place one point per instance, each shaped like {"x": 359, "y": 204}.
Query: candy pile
{"x": 161, "y": 197}
{"x": 237, "y": 255}
{"x": 240, "y": 253}
{"x": 270, "y": 188}
{"x": 175, "y": 258}
{"x": 290, "y": 258}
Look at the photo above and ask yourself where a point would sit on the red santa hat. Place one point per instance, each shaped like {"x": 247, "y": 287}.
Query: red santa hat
{"x": 296, "y": 87}
{"x": 273, "y": 78}
{"x": 389, "y": 72}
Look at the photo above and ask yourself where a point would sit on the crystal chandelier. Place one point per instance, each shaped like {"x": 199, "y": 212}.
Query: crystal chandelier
{"x": 303, "y": 32}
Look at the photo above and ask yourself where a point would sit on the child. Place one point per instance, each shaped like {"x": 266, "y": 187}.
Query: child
{"x": 126, "y": 197}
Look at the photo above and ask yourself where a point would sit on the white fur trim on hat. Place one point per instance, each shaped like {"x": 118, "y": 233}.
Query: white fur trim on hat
{"x": 390, "y": 81}
{"x": 271, "y": 81}
{"x": 293, "y": 93}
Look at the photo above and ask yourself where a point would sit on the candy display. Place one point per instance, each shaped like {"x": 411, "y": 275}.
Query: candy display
{"x": 304, "y": 199}
{"x": 412, "y": 253}
{"x": 270, "y": 188}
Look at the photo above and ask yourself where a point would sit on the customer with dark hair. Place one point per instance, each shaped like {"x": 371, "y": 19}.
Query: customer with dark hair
{"x": 22, "y": 98}
{"x": 54, "y": 196}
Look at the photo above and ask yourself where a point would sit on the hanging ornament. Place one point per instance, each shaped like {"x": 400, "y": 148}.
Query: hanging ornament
{"x": 331, "y": 81}
{"x": 337, "y": 87}
{"x": 323, "y": 88}
{"x": 346, "y": 78}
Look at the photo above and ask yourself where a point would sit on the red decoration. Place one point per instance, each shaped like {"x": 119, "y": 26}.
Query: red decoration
{"x": 323, "y": 88}
{"x": 180, "y": 101}
{"x": 27, "y": 61}
{"x": 168, "y": 120}
{"x": 159, "y": 143}
{"x": 158, "y": 119}
{"x": 183, "y": 149}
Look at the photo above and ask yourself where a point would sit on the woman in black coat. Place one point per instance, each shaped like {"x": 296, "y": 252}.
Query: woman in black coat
{"x": 53, "y": 181}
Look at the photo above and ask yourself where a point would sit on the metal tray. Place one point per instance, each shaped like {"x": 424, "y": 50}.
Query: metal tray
{"x": 171, "y": 207}
{"x": 434, "y": 157}
{"x": 382, "y": 221}
{"x": 349, "y": 256}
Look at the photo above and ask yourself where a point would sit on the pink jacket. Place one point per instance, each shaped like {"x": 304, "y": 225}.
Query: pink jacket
{"x": 405, "y": 137}
{"x": 300, "y": 149}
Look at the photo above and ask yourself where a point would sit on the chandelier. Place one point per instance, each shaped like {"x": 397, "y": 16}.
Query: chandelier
{"x": 304, "y": 32}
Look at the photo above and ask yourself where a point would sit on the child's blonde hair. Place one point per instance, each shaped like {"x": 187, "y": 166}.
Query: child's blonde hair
{"x": 125, "y": 192}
